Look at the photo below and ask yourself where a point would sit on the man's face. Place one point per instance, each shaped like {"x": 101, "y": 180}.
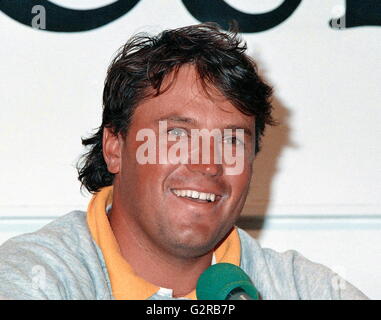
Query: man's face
{"x": 150, "y": 195}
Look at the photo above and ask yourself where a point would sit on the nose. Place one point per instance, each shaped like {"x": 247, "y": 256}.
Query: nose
{"x": 206, "y": 161}
{"x": 206, "y": 169}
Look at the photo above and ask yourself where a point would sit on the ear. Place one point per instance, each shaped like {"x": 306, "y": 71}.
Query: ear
{"x": 112, "y": 150}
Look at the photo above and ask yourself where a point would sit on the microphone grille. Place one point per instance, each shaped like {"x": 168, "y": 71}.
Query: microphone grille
{"x": 216, "y": 282}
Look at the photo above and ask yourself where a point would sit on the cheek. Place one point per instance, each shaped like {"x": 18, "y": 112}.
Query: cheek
{"x": 240, "y": 184}
{"x": 145, "y": 180}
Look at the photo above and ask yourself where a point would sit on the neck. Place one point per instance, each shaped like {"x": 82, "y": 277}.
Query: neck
{"x": 154, "y": 264}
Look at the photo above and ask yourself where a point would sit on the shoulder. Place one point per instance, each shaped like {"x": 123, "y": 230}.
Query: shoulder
{"x": 58, "y": 261}
{"x": 289, "y": 275}
{"x": 65, "y": 234}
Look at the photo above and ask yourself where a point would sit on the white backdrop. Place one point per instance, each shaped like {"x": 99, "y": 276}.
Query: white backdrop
{"x": 318, "y": 179}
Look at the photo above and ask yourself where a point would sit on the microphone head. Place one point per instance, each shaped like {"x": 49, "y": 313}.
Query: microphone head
{"x": 216, "y": 282}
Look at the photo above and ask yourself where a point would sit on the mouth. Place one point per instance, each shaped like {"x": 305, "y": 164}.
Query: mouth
{"x": 196, "y": 196}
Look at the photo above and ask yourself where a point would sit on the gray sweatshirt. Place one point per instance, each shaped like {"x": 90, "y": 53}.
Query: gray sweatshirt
{"x": 62, "y": 261}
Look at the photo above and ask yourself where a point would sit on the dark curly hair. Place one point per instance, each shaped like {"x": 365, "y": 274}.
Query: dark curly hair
{"x": 140, "y": 67}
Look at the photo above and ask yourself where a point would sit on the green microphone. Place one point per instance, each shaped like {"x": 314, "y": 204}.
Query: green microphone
{"x": 225, "y": 281}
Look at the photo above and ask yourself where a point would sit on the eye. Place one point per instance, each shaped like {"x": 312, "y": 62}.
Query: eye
{"x": 233, "y": 140}
{"x": 179, "y": 132}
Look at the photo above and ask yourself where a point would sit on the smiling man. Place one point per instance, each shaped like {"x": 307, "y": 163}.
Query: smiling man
{"x": 161, "y": 212}
{"x": 157, "y": 207}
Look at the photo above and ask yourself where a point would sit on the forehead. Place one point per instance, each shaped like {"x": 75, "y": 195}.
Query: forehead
{"x": 187, "y": 96}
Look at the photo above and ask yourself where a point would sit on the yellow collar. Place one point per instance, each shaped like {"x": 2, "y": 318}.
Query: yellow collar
{"x": 125, "y": 284}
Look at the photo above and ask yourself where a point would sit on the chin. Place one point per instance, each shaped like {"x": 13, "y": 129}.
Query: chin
{"x": 191, "y": 252}
{"x": 193, "y": 247}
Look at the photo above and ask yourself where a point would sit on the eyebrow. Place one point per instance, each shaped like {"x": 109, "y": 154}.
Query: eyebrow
{"x": 246, "y": 129}
{"x": 175, "y": 118}
{"x": 181, "y": 119}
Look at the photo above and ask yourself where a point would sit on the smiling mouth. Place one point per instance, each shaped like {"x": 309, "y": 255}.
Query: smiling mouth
{"x": 194, "y": 195}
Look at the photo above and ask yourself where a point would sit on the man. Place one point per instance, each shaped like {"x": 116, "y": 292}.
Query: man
{"x": 161, "y": 212}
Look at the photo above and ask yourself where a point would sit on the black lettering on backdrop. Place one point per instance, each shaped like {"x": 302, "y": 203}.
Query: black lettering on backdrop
{"x": 222, "y": 13}
{"x": 359, "y": 13}
{"x": 61, "y": 19}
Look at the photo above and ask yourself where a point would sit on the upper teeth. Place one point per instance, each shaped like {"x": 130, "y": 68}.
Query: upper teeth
{"x": 195, "y": 194}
